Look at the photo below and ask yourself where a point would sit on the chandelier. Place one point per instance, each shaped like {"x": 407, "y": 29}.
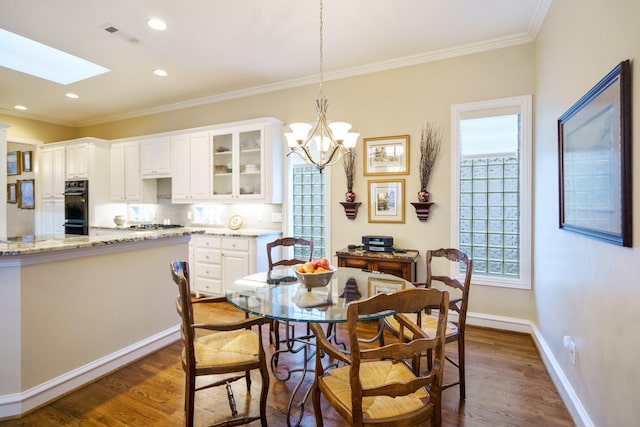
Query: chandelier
{"x": 331, "y": 139}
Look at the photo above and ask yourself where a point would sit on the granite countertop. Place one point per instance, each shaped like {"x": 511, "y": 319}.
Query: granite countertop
{"x": 40, "y": 244}
{"x": 27, "y": 245}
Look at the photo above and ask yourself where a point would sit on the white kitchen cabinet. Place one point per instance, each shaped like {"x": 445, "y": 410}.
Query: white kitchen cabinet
{"x": 52, "y": 216}
{"x": 206, "y": 268}
{"x": 155, "y": 158}
{"x": 52, "y": 178}
{"x": 52, "y": 172}
{"x": 190, "y": 174}
{"x": 77, "y": 161}
{"x": 236, "y": 253}
{"x": 220, "y": 259}
{"x": 247, "y": 163}
{"x": 126, "y": 184}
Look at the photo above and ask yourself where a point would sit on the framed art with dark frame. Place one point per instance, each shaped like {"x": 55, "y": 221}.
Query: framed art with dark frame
{"x": 12, "y": 193}
{"x": 26, "y": 199}
{"x": 594, "y": 148}
{"x": 387, "y": 155}
{"x": 386, "y": 201}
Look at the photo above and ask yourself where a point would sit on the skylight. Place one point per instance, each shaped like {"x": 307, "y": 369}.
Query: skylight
{"x": 27, "y": 56}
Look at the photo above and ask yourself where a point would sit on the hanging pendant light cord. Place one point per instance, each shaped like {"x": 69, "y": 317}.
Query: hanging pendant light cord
{"x": 321, "y": 50}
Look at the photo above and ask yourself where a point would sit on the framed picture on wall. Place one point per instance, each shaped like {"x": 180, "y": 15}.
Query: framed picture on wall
{"x": 386, "y": 201}
{"x": 12, "y": 193}
{"x": 387, "y": 155}
{"x": 26, "y": 199}
{"x": 594, "y": 148}
{"x": 27, "y": 161}
{"x": 14, "y": 160}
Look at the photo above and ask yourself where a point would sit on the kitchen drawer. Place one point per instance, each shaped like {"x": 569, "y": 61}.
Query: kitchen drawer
{"x": 208, "y": 241}
{"x": 211, "y": 271}
{"x": 235, "y": 244}
{"x": 209, "y": 286}
{"x": 211, "y": 256}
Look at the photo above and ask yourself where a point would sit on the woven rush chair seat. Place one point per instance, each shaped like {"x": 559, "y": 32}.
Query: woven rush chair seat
{"x": 227, "y": 348}
{"x": 376, "y": 374}
{"x": 429, "y": 325}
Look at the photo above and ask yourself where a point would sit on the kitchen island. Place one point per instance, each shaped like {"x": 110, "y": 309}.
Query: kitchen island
{"x": 74, "y": 308}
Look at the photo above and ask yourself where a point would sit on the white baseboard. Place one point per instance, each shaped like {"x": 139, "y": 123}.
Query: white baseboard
{"x": 13, "y": 405}
{"x": 567, "y": 394}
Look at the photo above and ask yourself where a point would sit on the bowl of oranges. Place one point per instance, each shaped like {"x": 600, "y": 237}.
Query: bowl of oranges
{"x": 314, "y": 273}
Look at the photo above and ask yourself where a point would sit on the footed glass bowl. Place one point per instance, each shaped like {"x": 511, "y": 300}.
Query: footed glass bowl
{"x": 314, "y": 280}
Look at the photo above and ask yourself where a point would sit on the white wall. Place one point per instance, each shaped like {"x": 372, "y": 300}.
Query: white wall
{"x": 583, "y": 287}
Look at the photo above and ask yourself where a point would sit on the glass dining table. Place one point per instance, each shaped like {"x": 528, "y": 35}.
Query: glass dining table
{"x": 278, "y": 295}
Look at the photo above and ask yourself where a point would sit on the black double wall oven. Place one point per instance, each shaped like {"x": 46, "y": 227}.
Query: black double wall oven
{"x": 76, "y": 207}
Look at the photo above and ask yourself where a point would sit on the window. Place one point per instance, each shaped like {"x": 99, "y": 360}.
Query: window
{"x": 308, "y": 214}
{"x": 491, "y": 201}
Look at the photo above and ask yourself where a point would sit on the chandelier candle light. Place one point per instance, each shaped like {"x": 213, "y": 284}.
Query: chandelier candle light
{"x": 331, "y": 139}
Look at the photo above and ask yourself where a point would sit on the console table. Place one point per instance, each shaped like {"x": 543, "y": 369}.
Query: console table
{"x": 401, "y": 264}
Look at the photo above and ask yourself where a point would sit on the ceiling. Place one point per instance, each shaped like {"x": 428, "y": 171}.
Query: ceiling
{"x": 221, "y": 49}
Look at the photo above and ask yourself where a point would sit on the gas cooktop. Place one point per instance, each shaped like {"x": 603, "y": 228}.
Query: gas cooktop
{"x": 154, "y": 226}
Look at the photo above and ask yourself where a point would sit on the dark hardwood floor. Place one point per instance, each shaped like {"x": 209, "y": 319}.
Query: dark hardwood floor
{"x": 507, "y": 385}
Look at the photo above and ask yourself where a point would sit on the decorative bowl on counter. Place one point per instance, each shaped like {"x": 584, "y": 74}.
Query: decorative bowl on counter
{"x": 314, "y": 280}
{"x": 119, "y": 220}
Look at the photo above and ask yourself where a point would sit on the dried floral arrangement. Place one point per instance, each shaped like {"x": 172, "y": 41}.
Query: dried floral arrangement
{"x": 349, "y": 163}
{"x": 429, "y": 149}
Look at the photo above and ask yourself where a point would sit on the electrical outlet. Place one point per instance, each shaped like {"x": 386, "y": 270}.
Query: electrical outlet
{"x": 189, "y": 215}
{"x": 571, "y": 347}
{"x": 276, "y": 216}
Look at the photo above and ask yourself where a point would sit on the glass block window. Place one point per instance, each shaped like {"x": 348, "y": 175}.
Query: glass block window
{"x": 309, "y": 210}
{"x": 491, "y": 155}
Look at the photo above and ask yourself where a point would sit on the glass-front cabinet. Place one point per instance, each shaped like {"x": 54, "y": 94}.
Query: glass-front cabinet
{"x": 239, "y": 156}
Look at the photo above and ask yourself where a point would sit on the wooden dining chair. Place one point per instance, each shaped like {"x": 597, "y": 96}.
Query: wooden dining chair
{"x": 220, "y": 348}
{"x": 458, "y": 305}
{"x": 287, "y": 243}
{"x": 378, "y": 385}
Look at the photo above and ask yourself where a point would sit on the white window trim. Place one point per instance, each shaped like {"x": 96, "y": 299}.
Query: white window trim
{"x": 458, "y": 111}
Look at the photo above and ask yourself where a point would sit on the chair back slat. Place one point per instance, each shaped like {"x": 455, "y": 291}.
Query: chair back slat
{"x": 288, "y": 242}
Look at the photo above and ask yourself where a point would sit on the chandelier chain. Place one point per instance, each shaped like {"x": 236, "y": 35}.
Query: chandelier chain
{"x": 321, "y": 48}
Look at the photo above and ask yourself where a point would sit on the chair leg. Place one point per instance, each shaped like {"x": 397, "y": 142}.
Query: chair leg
{"x": 263, "y": 394}
{"x": 461, "y": 372}
{"x": 247, "y": 377}
{"x": 317, "y": 410}
{"x": 189, "y": 399}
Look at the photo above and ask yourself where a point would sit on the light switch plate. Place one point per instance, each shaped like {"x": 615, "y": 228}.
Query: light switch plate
{"x": 276, "y": 216}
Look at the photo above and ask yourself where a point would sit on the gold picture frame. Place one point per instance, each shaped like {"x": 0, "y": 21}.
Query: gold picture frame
{"x": 377, "y": 286}
{"x": 27, "y": 161}
{"x": 12, "y": 193}
{"x": 26, "y": 195}
{"x": 14, "y": 163}
{"x": 386, "y": 201}
{"x": 387, "y": 155}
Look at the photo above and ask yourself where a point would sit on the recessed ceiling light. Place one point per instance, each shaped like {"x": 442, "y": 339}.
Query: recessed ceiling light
{"x": 157, "y": 24}
{"x": 72, "y": 95}
{"x": 20, "y": 107}
{"x": 34, "y": 58}
{"x": 161, "y": 73}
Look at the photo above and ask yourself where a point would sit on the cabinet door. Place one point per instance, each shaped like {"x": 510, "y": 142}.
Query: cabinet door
{"x": 46, "y": 173}
{"x": 155, "y": 158}
{"x": 180, "y": 173}
{"x": 199, "y": 166}
{"x": 117, "y": 173}
{"x": 132, "y": 182}
{"x": 251, "y": 161}
{"x": 58, "y": 172}
{"x": 52, "y": 216}
{"x": 78, "y": 161}
{"x": 235, "y": 265}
